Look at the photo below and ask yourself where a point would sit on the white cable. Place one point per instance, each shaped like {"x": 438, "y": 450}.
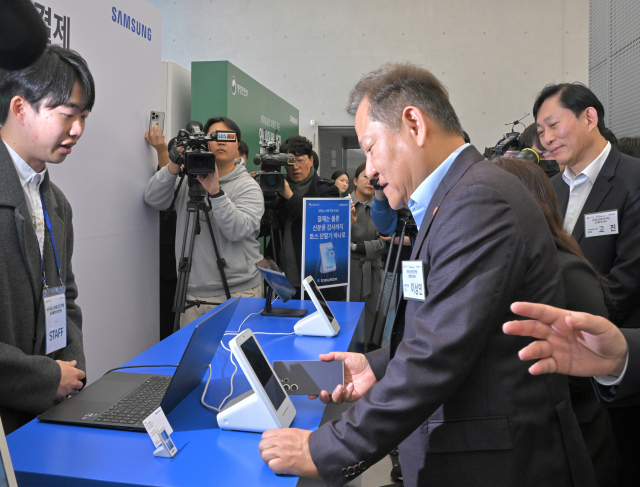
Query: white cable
{"x": 206, "y": 387}
{"x": 218, "y": 409}
{"x": 265, "y": 333}
{"x": 241, "y": 324}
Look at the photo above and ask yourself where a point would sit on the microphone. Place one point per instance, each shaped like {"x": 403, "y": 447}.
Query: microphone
{"x": 23, "y": 35}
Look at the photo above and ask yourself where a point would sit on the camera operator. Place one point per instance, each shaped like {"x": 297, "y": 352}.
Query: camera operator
{"x": 302, "y": 181}
{"x": 236, "y": 209}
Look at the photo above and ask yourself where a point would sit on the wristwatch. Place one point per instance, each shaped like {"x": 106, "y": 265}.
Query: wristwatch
{"x": 354, "y": 247}
{"x": 218, "y": 194}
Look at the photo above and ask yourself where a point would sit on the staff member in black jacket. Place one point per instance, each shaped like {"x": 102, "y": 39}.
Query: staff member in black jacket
{"x": 302, "y": 181}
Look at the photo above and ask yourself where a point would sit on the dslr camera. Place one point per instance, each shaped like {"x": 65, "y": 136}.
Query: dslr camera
{"x": 197, "y": 157}
{"x": 270, "y": 160}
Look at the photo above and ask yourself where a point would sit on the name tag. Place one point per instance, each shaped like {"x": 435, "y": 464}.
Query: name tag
{"x": 413, "y": 280}
{"x": 602, "y": 223}
{"x": 55, "y": 308}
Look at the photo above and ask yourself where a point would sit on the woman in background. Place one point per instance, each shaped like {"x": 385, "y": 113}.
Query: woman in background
{"x": 366, "y": 249}
{"x": 341, "y": 180}
{"x": 584, "y": 292}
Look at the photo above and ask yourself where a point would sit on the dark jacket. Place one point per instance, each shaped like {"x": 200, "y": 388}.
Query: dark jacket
{"x": 583, "y": 292}
{"x": 320, "y": 188}
{"x": 451, "y": 390}
{"x": 29, "y": 379}
{"x": 617, "y": 257}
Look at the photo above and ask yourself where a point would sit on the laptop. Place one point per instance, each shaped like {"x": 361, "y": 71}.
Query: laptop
{"x": 7, "y": 476}
{"x": 122, "y": 400}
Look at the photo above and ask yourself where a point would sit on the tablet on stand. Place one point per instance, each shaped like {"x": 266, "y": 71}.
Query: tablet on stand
{"x": 266, "y": 405}
{"x": 278, "y": 282}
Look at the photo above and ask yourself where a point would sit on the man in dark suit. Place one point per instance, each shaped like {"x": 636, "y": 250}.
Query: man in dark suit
{"x": 42, "y": 112}
{"x": 599, "y": 197}
{"x": 302, "y": 181}
{"x": 449, "y": 389}
{"x": 598, "y": 192}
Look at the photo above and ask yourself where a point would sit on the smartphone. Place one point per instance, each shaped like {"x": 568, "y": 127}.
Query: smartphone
{"x": 157, "y": 120}
{"x": 167, "y": 441}
{"x": 309, "y": 377}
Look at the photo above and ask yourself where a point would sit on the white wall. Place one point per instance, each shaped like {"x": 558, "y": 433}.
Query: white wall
{"x": 493, "y": 55}
{"x": 116, "y": 234}
{"x": 176, "y": 98}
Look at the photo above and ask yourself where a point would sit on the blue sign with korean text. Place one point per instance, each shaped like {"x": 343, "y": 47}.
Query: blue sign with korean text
{"x": 326, "y": 241}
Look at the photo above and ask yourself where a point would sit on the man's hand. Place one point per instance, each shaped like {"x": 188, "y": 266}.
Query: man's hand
{"x": 358, "y": 378}
{"x": 70, "y": 378}
{"x": 406, "y": 242}
{"x": 286, "y": 451}
{"x": 570, "y": 343}
{"x": 379, "y": 194}
{"x": 287, "y": 193}
{"x": 156, "y": 140}
{"x": 210, "y": 182}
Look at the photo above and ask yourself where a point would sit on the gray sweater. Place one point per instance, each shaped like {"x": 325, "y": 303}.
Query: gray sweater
{"x": 235, "y": 218}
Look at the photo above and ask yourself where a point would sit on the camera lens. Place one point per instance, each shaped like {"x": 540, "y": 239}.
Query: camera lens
{"x": 286, "y": 387}
{"x": 294, "y": 387}
{"x": 285, "y": 380}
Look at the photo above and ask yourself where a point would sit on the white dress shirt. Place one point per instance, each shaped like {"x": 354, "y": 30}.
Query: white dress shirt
{"x": 580, "y": 186}
{"x": 31, "y": 182}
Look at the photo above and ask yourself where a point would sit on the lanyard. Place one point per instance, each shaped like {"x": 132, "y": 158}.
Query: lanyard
{"x": 48, "y": 223}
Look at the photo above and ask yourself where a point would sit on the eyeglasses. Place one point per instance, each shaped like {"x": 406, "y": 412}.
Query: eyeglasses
{"x": 301, "y": 161}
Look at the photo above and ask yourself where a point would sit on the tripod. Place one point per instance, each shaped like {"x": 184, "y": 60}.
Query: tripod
{"x": 407, "y": 227}
{"x": 197, "y": 203}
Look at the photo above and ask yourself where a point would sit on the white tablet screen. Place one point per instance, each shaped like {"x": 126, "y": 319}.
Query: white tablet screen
{"x": 263, "y": 371}
{"x": 321, "y": 300}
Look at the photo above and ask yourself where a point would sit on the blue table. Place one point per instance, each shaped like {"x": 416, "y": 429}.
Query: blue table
{"x": 58, "y": 455}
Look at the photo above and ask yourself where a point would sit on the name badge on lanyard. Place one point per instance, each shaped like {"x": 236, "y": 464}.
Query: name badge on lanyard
{"x": 413, "y": 280}
{"x": 54, "y": 298}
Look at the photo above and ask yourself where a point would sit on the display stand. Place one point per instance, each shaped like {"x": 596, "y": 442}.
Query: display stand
{"x": 246, "y": 412}
{"x": 284, "y": 312}
{"x": 313, "y": 325}
{"x": 162, "y": 452}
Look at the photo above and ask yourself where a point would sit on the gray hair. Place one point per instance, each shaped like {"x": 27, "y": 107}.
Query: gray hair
{"x": 393, "y": 87}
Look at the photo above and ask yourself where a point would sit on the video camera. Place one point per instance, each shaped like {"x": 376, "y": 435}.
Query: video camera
{"x": 198, "y": 159}
{"x": 509, "y": 141}
{"x": 270, "y": 160}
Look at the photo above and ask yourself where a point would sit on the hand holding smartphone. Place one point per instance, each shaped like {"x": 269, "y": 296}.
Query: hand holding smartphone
{"x": 309, "y": 377}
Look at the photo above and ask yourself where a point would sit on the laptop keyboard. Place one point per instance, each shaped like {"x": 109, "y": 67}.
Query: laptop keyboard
{"x": 137, "y": 406}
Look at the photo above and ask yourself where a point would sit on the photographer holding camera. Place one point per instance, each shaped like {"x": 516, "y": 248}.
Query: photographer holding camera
{"x": 302, "y": 181}
{"x": 236, "y": 209}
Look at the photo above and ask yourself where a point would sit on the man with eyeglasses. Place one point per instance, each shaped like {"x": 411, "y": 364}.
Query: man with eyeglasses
{"x": 302, "y": 181}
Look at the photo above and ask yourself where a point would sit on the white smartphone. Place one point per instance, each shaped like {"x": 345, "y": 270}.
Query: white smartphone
{"x": 167, "y": 441}
{"x": 263, "y": 380}
{"x": 157, "y": 120}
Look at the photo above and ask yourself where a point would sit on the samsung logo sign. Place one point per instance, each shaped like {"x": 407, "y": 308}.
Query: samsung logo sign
{"x": 130, "y": 23}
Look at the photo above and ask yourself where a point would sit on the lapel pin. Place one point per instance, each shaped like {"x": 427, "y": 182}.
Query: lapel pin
{"x": 434, "y": 211}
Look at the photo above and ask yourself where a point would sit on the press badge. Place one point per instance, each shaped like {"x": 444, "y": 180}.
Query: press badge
{"x": 602, "y": 223}
{"x": 413, "y": 280}
{"x": 55, "y": 308}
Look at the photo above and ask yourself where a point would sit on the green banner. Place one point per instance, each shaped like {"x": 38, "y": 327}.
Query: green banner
{"x": 218, "y": 88}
